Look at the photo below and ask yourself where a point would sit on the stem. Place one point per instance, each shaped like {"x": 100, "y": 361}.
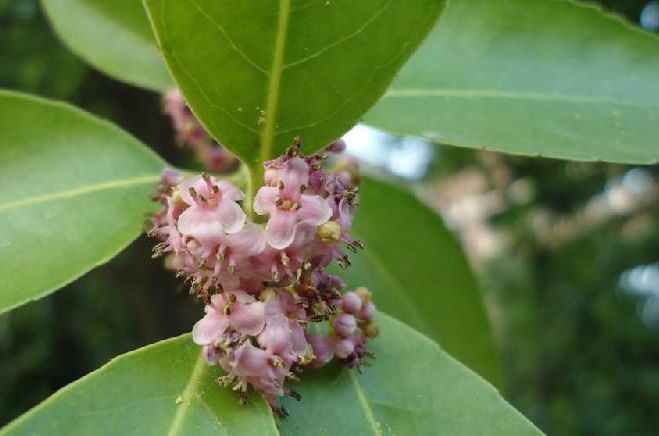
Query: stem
{"x": 255, "y": 177}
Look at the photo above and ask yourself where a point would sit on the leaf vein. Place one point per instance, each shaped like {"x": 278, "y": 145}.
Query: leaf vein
{"x": 363, "y": 401}
{"x": 272, "y": 98}
{"x": 224, "y": 33}
{"x": 113, "y": 184}
{"x": 495, "y": 93}
{"x": 353, "y": 95}
{"x": 187, "y": 396}
{"x": 339, "y": 41}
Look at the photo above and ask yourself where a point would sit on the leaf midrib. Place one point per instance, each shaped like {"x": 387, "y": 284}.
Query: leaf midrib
{"x": 83, "y": 190}
{"x": 272, "y": 98}
{"x": 496, "y": 93}
{"x": 187, "y": 396}
{"x": 363, "y": 401}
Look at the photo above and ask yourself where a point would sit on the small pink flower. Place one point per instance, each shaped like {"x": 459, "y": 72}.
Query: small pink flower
{"x": 213, "y": 325}
{"x": 322, "y": 347}
{"x": 287, "y": 205}
{"x": 217, "y": 158}
{"x": 248, "y": 242}
{"x": 187, "y": 127}
{"x": 239, "y": 311}
{"x": 250, "y": 361}
{"x": 214, "y": 209}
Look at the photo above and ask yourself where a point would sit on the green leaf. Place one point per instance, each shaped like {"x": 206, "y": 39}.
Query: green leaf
{"x": 412, "y": 388}
{"x": 112, "y": 35}
{"x": 259, "y": 73}
{"x": 73, "y": 191}
{"x": 162, "y": 389}
{"x": 418, "y": 272}
{"x": 546, "y": 77}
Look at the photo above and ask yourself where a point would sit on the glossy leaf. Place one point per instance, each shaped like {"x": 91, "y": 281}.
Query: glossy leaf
{"x": 73, "y": 192}
{"x": 112, "y": 35}
{"x": 550, "y": 78}
{"x": 418, "y": 272}
{"x": 166, "y": 389}
{"x": 162, "y": 389}
{"x": 258, "y": 73}
{"x": 412, "y": 388}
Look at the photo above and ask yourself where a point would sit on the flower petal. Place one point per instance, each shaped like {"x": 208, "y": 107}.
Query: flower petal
{"x": 249, "y": 318}
{"x": 249, "y": 241}
{"x": 250, "y": 361}
{"x": 209, "y": 328}
{"x": 229, "y": 191}
{"x": 280, "y": 230}
{"x": 322, "y": 348}
{"x": 197, "y": 183}
{"x": 264, "y": 202}
{"x": 201, "y": 224}
{"x": 314, "y": 210}
{"x": 276, "y": 337}
{"x": 231, "y": 216}
{"x": 294, "y": 175}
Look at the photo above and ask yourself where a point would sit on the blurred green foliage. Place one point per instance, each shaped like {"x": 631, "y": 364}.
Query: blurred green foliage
{"x": 577, "y": 357}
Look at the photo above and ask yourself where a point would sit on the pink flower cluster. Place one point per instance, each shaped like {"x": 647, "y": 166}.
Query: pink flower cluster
{"x": 264, "y": 283}
{"x": 190, "y": 132}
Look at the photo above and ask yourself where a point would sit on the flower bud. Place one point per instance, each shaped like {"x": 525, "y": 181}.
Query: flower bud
{"x": 371, "y": 329}
{"x": 351, "y": 303}
{"x": 344, "y": 348}
{"x": 368, "y": 312}
{"x": 344, "y": 325}
{"x": 337, "y": 146}
{"x": 330, "y": 232}
{"x": 364, "y": 294}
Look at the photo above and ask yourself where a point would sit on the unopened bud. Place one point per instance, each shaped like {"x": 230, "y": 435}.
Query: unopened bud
{"x": 344, "y": 325}
{"x": 329, "y": 232}
{"x": 364, "y": 294}
{"x": 368, "y": 312}
{"x": 351, "y": 303}
{"x": 344, "y": 348}
{"x": 371, "y": 329}
{"x": 266, "y": 294}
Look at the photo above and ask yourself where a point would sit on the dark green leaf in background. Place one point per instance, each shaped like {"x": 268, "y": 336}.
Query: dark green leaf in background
{"x": 537, "y": 77}
{"x": 73, "y": 192}
{"x": 166, "y": 389}
{"x": 258, "y": 73}
{"x": 113, "y": 36}
{"x": 418, "y": 272}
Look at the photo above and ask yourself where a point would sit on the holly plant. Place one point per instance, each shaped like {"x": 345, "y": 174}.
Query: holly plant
{"x": 333, "y": 303}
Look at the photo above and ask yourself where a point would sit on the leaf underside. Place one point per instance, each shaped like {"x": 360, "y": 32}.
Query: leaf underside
{"x": 259, "y": 73}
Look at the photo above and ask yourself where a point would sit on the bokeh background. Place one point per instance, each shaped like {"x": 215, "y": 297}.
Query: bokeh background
{"x": 567, "y": 254}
